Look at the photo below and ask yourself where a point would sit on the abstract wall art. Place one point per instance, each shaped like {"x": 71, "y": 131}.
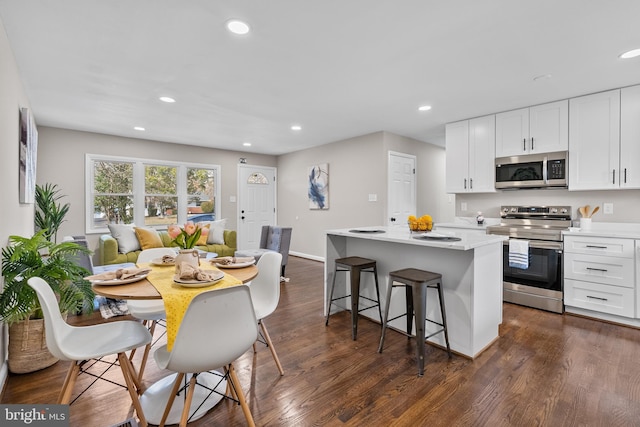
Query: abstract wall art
{"x": 318, "y": 181}
{"x": 27, "y": 152}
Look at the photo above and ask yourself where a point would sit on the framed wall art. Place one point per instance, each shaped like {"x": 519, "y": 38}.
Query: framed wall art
{"x": 27, "y": 156}
{"x": 318, "y": 183}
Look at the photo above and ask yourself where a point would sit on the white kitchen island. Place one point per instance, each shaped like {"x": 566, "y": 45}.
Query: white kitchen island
{"x": 471, "y": 271}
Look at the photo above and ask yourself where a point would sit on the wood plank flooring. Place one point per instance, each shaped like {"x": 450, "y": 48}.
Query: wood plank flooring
{"x": 545, "y": 370}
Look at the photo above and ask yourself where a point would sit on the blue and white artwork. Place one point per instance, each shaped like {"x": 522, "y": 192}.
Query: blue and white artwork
{"x": 318, "y": 178}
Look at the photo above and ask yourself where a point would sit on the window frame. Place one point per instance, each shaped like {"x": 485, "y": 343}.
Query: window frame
{"x": 139, "y": 194}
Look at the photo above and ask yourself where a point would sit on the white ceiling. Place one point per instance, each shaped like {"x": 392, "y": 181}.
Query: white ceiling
{"x": 339, "y": 68}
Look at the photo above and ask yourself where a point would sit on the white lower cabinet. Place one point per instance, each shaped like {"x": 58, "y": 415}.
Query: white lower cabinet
{"x": 599, "y": 275}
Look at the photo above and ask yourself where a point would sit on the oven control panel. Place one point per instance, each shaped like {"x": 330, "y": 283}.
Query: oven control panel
{"x": 535, "y": 211}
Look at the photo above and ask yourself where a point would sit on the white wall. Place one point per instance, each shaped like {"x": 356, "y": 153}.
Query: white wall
{"x": 626, "y": 203}
{"x": 15, "y": 219}
{"x": 62, "y": 152}
{"x": 357, "y": 168}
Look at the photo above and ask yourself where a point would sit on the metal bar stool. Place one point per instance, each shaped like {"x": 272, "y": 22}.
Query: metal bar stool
{"x": 416, "y": 282}
{"x": 355, "y": 265}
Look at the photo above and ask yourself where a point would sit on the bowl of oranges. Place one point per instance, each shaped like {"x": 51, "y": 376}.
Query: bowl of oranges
{"x": 422, "y": 224}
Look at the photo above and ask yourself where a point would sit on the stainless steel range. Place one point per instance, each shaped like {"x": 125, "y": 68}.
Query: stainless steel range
{"x": 540, "y": 283}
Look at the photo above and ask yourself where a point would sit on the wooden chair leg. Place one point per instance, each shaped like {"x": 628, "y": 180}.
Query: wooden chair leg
{"x": 271, "y": 347}
{"x": 231, "y": 391}
{"x": 172, "y": 397}
{"x": 69, "y": 381}
{"x": 243, "y": 403}
{"x": 135, "y": 378}
{"x": 187, "y": 402}
{"x": 129, "y": 376}
{"x": 147, "y": 348}
{"x": 133, "y": 352}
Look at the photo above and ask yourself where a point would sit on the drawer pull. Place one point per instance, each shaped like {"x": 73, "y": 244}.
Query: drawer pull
{"x": 597, "y": 269}
{"x": 598, "y": 298}
{"x": 596, "y": 247}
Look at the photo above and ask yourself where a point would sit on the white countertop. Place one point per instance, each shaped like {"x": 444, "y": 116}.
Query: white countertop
{"x": 468, "y": 240}
{"x": 607, "y": 229}
{"x": 467, "y": 223}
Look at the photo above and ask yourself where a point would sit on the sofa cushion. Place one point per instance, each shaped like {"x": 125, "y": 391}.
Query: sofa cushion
{"x": 216, "y": 231}
{"x": 202, "y": 241}
{"x": 148, "y": 238}
{"x": 126, "y": 237}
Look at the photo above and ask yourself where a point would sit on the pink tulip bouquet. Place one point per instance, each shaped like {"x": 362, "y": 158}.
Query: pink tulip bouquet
{"x": 186, "y": 237}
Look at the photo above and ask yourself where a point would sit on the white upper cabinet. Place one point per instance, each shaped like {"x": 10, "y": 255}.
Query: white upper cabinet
{"x": 630, "y": 137}
{"x": 594, "y": 141}
{"x": 539, "y": 129}
{"x": 470, "y": 146}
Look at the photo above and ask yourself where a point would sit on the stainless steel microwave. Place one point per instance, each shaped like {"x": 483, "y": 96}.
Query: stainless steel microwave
{"x": 532, "y": 171}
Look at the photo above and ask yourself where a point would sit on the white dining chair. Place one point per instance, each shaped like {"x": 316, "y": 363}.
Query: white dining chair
{"x": 265, "y": 294}
{"x": 84, "y": 343}
{"x": 231, "y": 329}
{"x": 151, "y": 312}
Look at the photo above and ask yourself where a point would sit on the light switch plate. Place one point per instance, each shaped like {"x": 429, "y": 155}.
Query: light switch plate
{"x": 463, "y": 206}
{"x": 373, "y": 197}
{"x": 607, "y": 208}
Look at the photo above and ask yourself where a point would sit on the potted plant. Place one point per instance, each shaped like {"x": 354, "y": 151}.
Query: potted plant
{"x": 49, "y": 214}
{"x": 19, "y": 305}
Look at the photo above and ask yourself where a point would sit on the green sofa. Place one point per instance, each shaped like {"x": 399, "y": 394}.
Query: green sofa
{"x": 108, "y": 248}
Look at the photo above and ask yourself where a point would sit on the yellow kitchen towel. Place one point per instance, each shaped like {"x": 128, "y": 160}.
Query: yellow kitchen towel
{"x": 177, "y": 298}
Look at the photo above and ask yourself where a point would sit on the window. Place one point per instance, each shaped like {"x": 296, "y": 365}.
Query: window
{"x": 148, "y": 192}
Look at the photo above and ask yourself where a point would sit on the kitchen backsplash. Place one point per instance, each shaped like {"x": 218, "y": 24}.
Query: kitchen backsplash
{"x": 626, "y": 203}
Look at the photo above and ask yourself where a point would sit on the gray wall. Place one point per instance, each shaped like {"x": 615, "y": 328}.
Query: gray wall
{"x": 62, "y": 161}
{"x": 357, "y": 168}
{"x": 15, "y": 219}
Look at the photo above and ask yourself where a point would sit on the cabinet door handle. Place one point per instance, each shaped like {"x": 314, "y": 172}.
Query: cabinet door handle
{"x": 596, "y": 247}
{"x": 531, "y": 143}
{"x": 598, "y": 298}
{"x": 524, "y": 144}
{"x": 470, "y": 183}
{"x": 625, "y": 175}
{"x": 597, "y": 269}
{"x": 614, "y": 176}
{"x": 465, "y": 183}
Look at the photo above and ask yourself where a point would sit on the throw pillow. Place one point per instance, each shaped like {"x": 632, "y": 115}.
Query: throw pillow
{"x": 126, "y": 237}
{"x": 202, "y": 241}
{"x": 216, "y": 232}
{"x": 148, "y": 238}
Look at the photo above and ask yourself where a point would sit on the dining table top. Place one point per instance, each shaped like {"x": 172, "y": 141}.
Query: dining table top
{"x": 144, "y": 290}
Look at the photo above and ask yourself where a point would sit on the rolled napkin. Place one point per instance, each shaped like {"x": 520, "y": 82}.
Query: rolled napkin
{"x": 189, "y": 272}
{"x": 120, "y": 274}
{"x": 228, "y": 260}
{"x": 168, "y": 259}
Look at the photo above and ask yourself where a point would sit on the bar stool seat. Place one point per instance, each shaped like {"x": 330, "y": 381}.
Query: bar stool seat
{"x": 355, "y": 265}
{"x": 416, "y": 282}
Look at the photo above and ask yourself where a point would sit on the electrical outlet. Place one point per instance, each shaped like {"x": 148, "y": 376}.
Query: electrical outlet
{"x": 373, "y": 197}
{"x": 463, "y": 206}
{"x": 607, "y": 208}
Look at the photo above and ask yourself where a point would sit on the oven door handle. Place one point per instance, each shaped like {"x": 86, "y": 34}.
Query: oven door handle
{"x": 540, "y": 244}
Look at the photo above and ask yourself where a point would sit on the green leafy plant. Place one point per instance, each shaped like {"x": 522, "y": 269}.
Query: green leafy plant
{"x": 49, "y": 214}
{"x": 55, "y": 263}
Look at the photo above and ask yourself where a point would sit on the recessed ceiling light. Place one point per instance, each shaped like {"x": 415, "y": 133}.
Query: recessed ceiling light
{"x": 424, "y": 108}
{"x": 246, "y": 144}
{"x": 238, "y": 27}
{"x": 140, "y": 128}
{"x": 630, "y": 54}
{"x": 542, "y": 77}
{"x": 167, "y": 99}
{"x": 296, "y": 127}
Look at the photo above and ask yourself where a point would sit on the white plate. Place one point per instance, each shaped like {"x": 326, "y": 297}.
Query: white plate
{"x": 119, "y": 281}
{"x": 236, "y": 265}
{"x": 158, "y": 261}
{"x": 197, "y": 283}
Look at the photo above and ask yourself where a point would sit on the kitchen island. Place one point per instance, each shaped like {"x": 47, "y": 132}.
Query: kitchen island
{"x": 471, "y": 268}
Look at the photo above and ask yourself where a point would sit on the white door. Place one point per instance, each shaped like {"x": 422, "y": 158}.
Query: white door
{"x": 256, "y": 203}
{"x": 401, "y": 188}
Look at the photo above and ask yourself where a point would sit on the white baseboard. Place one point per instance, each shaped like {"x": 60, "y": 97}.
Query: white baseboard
{"x": 302, "y": 255}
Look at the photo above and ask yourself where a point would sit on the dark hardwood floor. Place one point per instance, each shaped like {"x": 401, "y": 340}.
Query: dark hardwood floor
{"x": 545, "y": 370}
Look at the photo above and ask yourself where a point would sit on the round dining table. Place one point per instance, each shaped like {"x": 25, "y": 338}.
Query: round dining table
{"x": 154, "y": 398}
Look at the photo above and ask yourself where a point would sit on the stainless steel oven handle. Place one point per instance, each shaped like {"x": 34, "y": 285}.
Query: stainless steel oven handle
{"x": 541, "y": 244}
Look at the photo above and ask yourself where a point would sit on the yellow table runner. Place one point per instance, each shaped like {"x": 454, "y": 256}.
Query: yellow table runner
{"x": 177, "y": 298}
